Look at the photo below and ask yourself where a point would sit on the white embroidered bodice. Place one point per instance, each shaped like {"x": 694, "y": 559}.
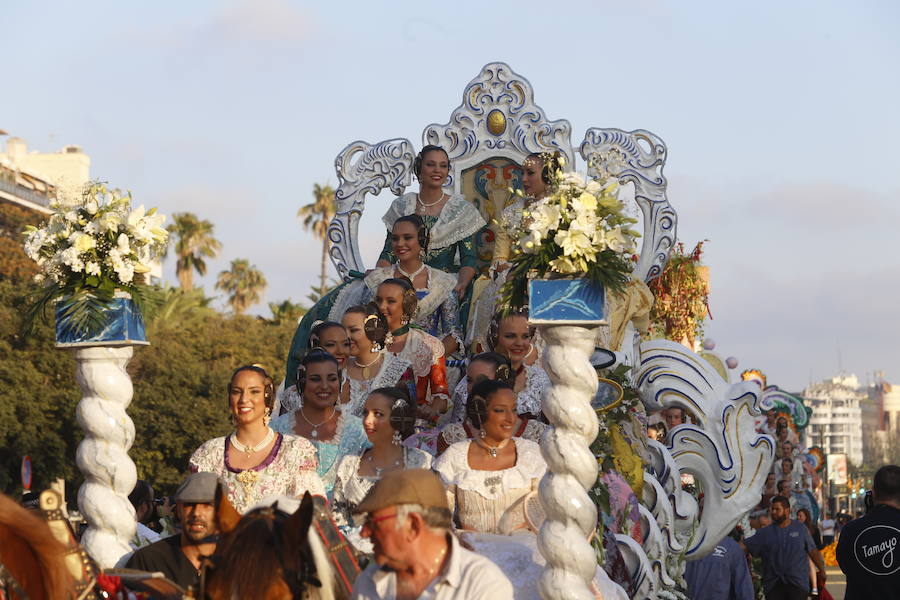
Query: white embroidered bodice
{"x": 290, "y": 469}
{"x": 392, "y": 369}
{"x": 458, "y": 219}
{"x": 490, "y": 501}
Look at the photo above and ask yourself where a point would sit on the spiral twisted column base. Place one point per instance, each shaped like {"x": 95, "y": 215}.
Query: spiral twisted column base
{"x": 571, "y": 515}
{"x": 102, "y": 455}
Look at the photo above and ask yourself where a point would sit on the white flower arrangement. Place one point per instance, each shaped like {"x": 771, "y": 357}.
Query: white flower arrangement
{"x": 579, "y": 229}
{"x": 93, "y": 244}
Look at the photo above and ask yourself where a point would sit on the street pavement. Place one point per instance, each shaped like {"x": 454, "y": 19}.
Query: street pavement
{"x": 836, "y": 582}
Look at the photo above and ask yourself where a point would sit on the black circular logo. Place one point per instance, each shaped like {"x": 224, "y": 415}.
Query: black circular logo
{"x": 876, "y": 549}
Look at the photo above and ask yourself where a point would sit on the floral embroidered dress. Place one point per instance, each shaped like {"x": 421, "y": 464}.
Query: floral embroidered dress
{"x": 394, "y": 371}
{"x": 349, "y": 438}
{"x": 289, "y": 469}
{"x": 350, "y": 488}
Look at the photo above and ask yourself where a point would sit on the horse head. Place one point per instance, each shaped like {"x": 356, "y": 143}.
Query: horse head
{"x": 269, "y": 553}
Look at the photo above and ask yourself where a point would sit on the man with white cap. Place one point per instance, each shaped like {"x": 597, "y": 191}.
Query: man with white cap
{"x": 178, "y": 557}
{"x": 408, "y": 519}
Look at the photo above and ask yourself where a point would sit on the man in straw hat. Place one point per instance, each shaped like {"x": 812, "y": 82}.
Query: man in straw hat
{"x": 408, "y": 519}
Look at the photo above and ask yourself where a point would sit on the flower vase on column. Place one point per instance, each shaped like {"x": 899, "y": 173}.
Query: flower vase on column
{"x": 93, "y": 252}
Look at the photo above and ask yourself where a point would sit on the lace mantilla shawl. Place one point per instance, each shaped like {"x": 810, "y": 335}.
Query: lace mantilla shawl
{"x": 290, "y": 469}
{"x": 422, "y": 351}
{"x": 349, "y": 438}
{"x": 458, "y": 219}
{"x": 531, "y": 399}
{"x": 350, "y": 487}
{"x": 453, "y": 467}
{"x": 392, "y": 369}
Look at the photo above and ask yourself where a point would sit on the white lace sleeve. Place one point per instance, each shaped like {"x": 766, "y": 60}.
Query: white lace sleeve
{"x": 425, "y": 350}
{"x": 209, "y": 457}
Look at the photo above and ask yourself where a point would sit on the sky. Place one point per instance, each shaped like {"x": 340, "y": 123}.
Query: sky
{"x": 780, "y": 120}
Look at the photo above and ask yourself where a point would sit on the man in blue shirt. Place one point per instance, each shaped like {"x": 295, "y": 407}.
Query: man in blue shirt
{"x": 722, "y": 574}
{"x": 784, "y": 547}
{"x": 867, "y": 550}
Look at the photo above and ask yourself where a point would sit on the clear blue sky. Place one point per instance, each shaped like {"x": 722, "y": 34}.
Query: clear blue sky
{"x": 780, "y": 118}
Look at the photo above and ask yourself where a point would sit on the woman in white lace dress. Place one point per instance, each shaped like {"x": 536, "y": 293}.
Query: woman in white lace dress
{"x": 332, "y": 432}
{"x": 254, "y": 461}
{"x": 512, "y": 336}
{"x": 487, "y": 365}
{"x": 370, "y": 366}
{"x": 390, "y": 418}
{"x": 492, "y": 486}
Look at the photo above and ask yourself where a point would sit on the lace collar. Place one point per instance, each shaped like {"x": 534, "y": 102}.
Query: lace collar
{"x": 458, "y": 219}
{"x": 440, "y": 286}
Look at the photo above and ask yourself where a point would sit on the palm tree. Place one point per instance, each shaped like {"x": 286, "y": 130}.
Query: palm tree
{"x": 243, "y": 283}
{"x": 317, "y": 216}
{"x": 194, "y": 242}
{"x": 286, "y": 311}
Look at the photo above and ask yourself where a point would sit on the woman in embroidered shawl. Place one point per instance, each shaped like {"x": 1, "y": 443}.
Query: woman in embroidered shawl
{"x": 390, "y": 418}
{"x": 370, "y": 366}
{"x": 254, "y": 461}
{"x": 437, "y": 309}
{"x": 332, "y": 432}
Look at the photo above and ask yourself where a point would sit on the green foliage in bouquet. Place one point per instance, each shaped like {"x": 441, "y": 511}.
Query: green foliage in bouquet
{"x": 93, "y": 245}
{"x": 579, "y": 229}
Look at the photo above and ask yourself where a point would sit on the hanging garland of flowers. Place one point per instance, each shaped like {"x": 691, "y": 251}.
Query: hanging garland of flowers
{"x": 681, "y": 297}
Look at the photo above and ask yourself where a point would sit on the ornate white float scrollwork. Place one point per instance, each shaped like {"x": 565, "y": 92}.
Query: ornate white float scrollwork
{"x": 364, "y": 168}
{"x": 498, "y": 117}
{"x": 637, "y": 157}
{"x": 728, "y": 459}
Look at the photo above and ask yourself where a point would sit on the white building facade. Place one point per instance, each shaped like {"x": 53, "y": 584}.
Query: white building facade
{"x": 836, "y": 424}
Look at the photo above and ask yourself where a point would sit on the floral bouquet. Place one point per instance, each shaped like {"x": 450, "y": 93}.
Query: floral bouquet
{"x": 93, "y": 245}
{"x": 580, "y": 229}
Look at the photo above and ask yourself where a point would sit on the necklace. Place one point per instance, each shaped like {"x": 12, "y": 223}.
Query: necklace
{"x": 249, "y": 450}
{"x": 430, "y": 204}
{"x": 437, "y": 563}
{"x": 492, "y": 450}
{"x": 410, "y": 276}
{"x": 380, "y": 470}
{"x": 315, "y": 426}
{"x": 365, "y": 367}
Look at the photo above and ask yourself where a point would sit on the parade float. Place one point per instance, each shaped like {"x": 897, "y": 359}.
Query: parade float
{"x": 611, "y": 496}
